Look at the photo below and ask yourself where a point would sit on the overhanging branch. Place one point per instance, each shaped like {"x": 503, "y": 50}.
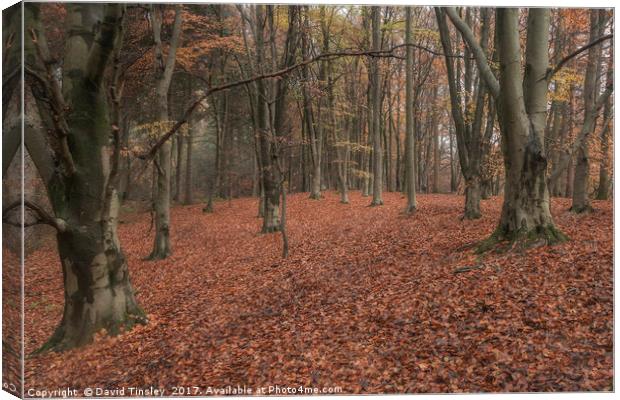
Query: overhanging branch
{"x": 575, "y": 53}
{"x": 388, "y": 53}
{"x": 42, "y": 216}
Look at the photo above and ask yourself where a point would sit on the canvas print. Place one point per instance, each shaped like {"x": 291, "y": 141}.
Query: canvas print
{"x": 306, "y": 199}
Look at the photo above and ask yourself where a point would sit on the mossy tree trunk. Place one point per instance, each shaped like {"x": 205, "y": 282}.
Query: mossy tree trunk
{"x": 80, "y": 176}
{"x": 522, "y": 111}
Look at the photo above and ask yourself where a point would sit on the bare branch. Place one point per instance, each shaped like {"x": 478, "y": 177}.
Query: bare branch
{"x": 56, "y": 103}
{"x": 474, "y": 46}
{"x": 276, "y": 74}
{"x": 575, "y": 53}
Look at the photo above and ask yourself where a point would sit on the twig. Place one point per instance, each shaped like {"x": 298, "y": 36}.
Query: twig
{"x": 460, "y": 270}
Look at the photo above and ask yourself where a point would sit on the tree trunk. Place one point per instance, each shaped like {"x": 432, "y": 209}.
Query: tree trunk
{"x": 377, "y": 151}
{"x": 161, "y": 244}
{"x": 523, "y": 106}
{"x": 473, "y": 195}
{"x": 98, "y": 293}
{"x": 189, "y": 182}
{"x": 522, "y": 112}
{"x": 410, "y": 173}
{"x": 314, "y": 132}
{"x": 602, "y": 193}
{"x": 268, "y": 134}
{"x": 179, "y": 168}
{"x": 84, "y": 198}
{"x": 469, "y": 138}
{"x": 581, "y": 185}
{"x": 452, "y": 164}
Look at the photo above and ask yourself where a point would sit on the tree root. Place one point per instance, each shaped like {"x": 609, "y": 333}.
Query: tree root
{"x": 60, "y": 341}
{"x": 581, "y": 209}
{"x": 270, "y": 229}
{"x": 471, "y": 215}
{"x": 501, "y": 241}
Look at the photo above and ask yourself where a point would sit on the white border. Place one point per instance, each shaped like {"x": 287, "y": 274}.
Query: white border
{"x": 523, "y": 3}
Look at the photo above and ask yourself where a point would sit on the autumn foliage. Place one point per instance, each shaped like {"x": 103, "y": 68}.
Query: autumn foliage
{"x": 369, "y": 300}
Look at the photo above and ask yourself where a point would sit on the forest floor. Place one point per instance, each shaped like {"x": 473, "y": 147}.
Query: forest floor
{"x": 369, "y": 301}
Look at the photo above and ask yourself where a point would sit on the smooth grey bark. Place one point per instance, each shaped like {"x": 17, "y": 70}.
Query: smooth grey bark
{"x": 165, "y": 68}
{"x": 377, "y": 151}
{"x": 178, "y": 144}
{"x": 470, "y": 139}
{"x": 592, "y": 103}
{"x": 189, "y": 180}
{"x": 410, "y": 173}
{"x": 271, "y": 126}
{"x": 84, "y": 199}
{"x": 521, "y": 108}
{"x": 604, "y": 184}
{"x": 314, "y": 130}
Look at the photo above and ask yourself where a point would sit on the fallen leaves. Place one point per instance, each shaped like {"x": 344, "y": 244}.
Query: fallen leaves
{"x": 368, "y": 300}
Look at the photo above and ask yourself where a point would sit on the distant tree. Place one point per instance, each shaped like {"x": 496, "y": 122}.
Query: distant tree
{"x": 410, "y": 173}
{"x": 375, "y": 95}
{"x": 593, "y": 102}
{"x": 468, "y": 113}
{"x": 164, "y": 68}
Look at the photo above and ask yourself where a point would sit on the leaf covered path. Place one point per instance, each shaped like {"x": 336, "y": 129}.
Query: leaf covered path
{"x": 368, "y": 301}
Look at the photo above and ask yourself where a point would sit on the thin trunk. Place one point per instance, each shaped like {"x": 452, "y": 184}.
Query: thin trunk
{"x": 410, "y": 173}
{"x": 581, "y": 184}
{"x": 179, "y": 167}
{"x": 189, "y": 183}
{"x": 604, "y": 183}
{"x": 377, "y": 151}
{"x": 165, "y": 69}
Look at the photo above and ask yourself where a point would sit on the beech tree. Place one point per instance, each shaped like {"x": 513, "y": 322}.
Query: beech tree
{"x": 471, "y": 135}
{"x": 375, "y": 95}
{"x": 522, "y": 110}
{"x": 410, "y": 173}
{"x": 604, "y": 182}
{"x": 80, "y": 176}
{"x": 469, "y": 125}
{"x": 164, "y": 68}
{"x": 593, "y": 103}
